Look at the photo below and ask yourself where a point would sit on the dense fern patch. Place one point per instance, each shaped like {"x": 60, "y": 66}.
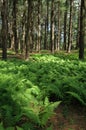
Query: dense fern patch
{"x": 31, "y": 90}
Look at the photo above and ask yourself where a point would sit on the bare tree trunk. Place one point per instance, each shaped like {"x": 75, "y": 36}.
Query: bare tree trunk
{"x": 58, "y": 37}
{"x": 27, "y": 33}
{"x": 23, "y": 30}
{"x": 15, "y": 25}
{"x": 78, "y": 27}
{"x": 70, "y": 27}
{"x": 82, "y": 38}
{"x": 65, "y": 26}
{"x": 39, "y": 28}
{"x": 47, "y": 28}
{"x": 52, "y": 26}
{"x": 4, "y": 16}
{"x": 45, "y": 37}
{"x": 31, "y": 27}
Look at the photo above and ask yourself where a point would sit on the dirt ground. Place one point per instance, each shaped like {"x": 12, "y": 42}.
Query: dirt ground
{"x": 69, "y": 118}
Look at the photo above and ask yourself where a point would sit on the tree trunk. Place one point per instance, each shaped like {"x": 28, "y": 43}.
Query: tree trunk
{"x": 15, "y": 25}
{"x": 27, "y": 32}
{"x": 58, "y": 37}
{"x": 31, "y": 26}
{"x": 45, "y": 37}
{"x": 52, "y": 26}
{"x": 65, "y": 25}
{"x": 82, "y": 38}
{"x": 47, "y": 28}
{"x": 4, "y": 16}
{"x": 39, "y": 27}
{"x": 70, "y": 27}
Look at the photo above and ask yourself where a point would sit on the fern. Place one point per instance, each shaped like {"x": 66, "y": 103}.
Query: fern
{"x": 26, "y": 87}
{"x": 47, "y": 111}
{"x": 78, "y": 97}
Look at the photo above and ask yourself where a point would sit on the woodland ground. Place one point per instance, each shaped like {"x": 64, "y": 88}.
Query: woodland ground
{"x": 67, "y": 116}
{"x": 71, "y": 117}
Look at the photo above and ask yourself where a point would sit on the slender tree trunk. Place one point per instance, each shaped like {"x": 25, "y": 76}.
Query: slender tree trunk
{"x": 23, "y": 30}
{"x": 22, "y": 40}
{"x": 82, "y": 38}
{"x": 47, "y": 28}
{"x": 58, "y": 39}
{"x": 27, "y": 33}
{"x": 65, "y": 26}
{"x": 52, "y": 26}
{"x": 46, "y": 46}
{"x": 15, "y": 25}
{"x": 39, "y": 27}
{"x": 78, "y": 28}
{"x": 70, "y": 27}
{"x": 84, "y": 23}
{"x": 31, "y": 26}
{"x": 45, "y": 37}
{"x": 4, "y": 16}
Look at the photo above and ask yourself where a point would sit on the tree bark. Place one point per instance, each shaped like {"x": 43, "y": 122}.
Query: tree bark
{"x": 52, "y": 26}
{"x": 65, "y": 25}
{"x": 15, "y": 26}
{"x": 27, "y": 32}
{"x": 82, "y": 38}
{"x": 58, "y": 37}
{"x": 4, "y": 16}
{"x": 70, "y": 27}
{"x": 39, "y": 27}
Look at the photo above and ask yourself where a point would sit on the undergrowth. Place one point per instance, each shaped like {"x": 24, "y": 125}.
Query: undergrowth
{"x": 31, "y": 90}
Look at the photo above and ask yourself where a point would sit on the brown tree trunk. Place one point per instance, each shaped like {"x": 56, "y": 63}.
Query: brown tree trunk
{"x": 39, "y": 27}
{"x": 47, "y": 26}
{"x": 78, "y": 27}
{"x": 27, "y": 32}
{"x": 31, "y": 26}
{"x": 52, "y": 26}
{"x": 58, "y": 37}
{"x": 22, "y": 40}
{"x": 4, "y": 16}
{"x": 15, "y": 25}
{"x": 23, "y": 31}
{"x": 45, "y": 37}
{"x": 70, "y": 27}
{"x": 82, "y": 38}
{"x": 65, "y": 25}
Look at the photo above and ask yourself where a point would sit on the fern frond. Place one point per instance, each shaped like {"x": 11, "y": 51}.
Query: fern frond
{"x": 78, "y": 97}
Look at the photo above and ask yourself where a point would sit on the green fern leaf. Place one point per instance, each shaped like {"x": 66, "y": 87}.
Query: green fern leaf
{"x": 48, "y": 112}
{"x": 75, "y": 95}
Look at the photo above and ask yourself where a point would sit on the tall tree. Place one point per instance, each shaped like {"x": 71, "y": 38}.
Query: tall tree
{"x": 52, "y": 26}
{"x": 27, "y": 31}
{"x": 15, "y": 25}
{"x": 39, "y": 26}
{"x": 4, "y": 16}
{"x": 65, "y": 25}
{"x": 59, "y": 31}
{"x": 70, "y": 27}
{"x": 46, "y": 36}
{"x": 78, "y": 27}
{"x": 82, "y": 38}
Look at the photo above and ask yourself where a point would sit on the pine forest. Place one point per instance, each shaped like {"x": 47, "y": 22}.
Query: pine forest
{"x": 42, "y": 64}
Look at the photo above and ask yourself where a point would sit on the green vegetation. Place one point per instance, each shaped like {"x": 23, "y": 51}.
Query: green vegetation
{"x": 31, "y": 90}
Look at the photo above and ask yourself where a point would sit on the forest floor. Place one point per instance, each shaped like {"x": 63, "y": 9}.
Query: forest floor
{"x": 69, "y": 118}
{"x": 72, "y": 117}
